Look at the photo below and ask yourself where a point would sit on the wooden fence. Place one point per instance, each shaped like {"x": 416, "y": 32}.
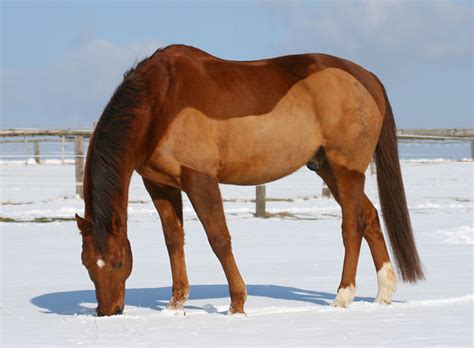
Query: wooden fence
{"x": 37, "y": 136}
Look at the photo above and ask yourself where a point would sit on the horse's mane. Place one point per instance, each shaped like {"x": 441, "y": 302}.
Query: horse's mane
{"x": 107, "y": 155}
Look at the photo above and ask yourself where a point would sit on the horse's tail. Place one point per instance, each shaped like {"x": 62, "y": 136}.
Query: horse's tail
{"x": 393, "y": 200}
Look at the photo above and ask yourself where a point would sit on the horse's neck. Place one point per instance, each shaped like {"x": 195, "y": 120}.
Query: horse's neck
{"x": 118, "y": 177}
{"x": 112, "y": 154}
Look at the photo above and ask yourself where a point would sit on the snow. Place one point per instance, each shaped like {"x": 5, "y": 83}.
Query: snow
{"x": 291, "y": 263}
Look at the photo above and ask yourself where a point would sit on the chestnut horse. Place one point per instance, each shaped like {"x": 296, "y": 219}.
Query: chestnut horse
{"x": 187, "y": 121}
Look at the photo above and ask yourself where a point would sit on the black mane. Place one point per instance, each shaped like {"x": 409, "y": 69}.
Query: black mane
{"x": 108, "y": 151}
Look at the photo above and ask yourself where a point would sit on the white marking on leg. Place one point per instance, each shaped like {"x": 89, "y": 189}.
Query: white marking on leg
{"x": 387, "y": 282}
{"x": 100, "y": 263}
{"x": 344, "y": 297}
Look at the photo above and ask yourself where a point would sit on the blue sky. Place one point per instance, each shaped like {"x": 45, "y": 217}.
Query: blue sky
{"x": 61, "y": 60}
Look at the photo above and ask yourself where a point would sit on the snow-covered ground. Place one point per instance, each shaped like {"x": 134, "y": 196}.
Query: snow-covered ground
{"x": 291, "y": 263}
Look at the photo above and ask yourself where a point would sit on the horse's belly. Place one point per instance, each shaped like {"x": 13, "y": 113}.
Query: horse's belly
{"x": 259, "y": 149}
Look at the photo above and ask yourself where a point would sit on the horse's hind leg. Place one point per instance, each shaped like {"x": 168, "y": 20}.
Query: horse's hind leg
{"x": 167, "y": 201}
{"x": 360, "y": 219}
{"x": 203, "y": 191}
{"x": 347, "y": 187}
{"x": 387, "y": 281}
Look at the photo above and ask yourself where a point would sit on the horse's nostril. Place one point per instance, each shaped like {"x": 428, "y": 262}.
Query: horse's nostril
{"x": 99, "y": 313}
{"x": 119, "y": 310}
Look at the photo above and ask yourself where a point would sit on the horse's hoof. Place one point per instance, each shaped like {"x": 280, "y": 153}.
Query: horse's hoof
{"x": 241, "y": 314}
{"x": 172, "y": 312}
{"x": 383, "y": 301}
{"x": 339, "y": 304}
{"x": 236, "y": 311}
{"x": 387, "y": 282}
{"x": 344, "y": 297}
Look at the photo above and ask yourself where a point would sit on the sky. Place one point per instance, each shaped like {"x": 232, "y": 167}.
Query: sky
{"x": 61, "y": 60}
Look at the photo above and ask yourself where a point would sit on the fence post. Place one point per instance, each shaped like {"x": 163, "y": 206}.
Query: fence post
{"x": 260, "y": 200}
{"x": 37, "y": 152}
{"x": 26, "y": 151}
{"x": 62, "y": 149}
{"x": 79, "y": 163}
{"x": 326, "y": 193}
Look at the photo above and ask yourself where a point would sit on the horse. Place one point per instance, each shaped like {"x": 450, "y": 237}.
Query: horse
{"x": 186, "y": 121}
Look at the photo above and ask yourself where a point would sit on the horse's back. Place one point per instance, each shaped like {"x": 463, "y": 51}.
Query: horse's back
{"x": 254, "y": 122}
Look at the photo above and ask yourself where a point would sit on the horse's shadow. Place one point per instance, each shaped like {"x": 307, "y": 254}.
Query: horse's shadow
{"x": 71, "y": 302}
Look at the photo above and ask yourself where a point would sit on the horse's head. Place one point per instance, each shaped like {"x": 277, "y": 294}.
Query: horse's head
{"x": 107, "y": 269}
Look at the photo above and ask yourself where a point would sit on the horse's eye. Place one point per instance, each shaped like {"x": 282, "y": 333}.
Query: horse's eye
{"x": 118, "y": 265}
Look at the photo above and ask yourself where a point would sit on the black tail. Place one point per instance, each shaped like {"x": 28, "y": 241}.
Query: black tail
{"x": 393, "y": 200}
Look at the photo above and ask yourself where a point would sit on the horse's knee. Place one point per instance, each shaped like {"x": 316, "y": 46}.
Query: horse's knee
{"x": 220, "y": 244}
{"x": 174, "y": 238}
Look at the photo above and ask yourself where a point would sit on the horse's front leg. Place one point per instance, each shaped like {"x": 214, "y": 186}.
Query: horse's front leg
{"x": 203, "y": 191}
{"x": 167, "y": 201}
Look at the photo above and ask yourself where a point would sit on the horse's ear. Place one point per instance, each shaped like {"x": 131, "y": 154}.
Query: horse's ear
{"x": 85, "y": 226}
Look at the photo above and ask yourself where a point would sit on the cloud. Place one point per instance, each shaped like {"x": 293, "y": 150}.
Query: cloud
{"x": 72, "y": 90}
{"x": 421, "y": 50}
{"x": 370, "y": 30}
